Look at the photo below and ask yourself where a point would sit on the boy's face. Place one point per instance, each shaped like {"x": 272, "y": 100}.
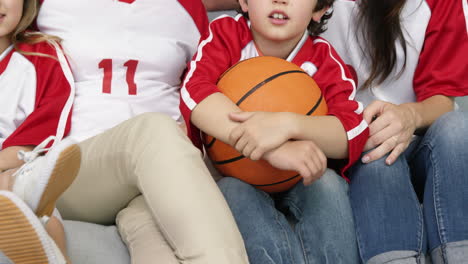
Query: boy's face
{"x": 280, "y": 20}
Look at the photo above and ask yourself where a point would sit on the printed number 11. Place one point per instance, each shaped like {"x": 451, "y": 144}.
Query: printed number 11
{"x": 106, "y": 65}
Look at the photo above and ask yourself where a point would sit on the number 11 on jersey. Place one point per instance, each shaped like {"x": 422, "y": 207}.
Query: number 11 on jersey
{"x": 106, "y": 65}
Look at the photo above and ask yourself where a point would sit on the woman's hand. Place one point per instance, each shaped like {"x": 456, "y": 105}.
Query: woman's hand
{"x": 304, "y": 157}
{"x": 391, "y": 130}
{"x": 259, "y": 132}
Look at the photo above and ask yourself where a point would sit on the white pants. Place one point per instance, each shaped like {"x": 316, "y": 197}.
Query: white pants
{"x": 150, "y": 154}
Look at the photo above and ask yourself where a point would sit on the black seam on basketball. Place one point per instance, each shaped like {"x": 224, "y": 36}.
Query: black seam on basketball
{"x": 270, "y": 184}
{"x": 210, "y": 144}
{"x": 267, "y": 80}
{"x": 221, "y": 162}
{"x": 316, "y": 105}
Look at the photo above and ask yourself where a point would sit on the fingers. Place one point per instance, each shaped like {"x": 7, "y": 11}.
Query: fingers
{"x": 240, "y": 116}
{"x": 380, "y": 123}
{"x": 381, "y": 150}
{"x": 235, "y": 135}
{"x": 373, "y": 110}
{"x": 316, "y": 163}
{"x": 400, "y": 148}
{"x": 381, "y": 136}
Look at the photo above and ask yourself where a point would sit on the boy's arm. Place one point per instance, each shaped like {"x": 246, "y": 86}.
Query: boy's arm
{"x": 344, "y": 121}
{"x": 203, "y": 106}
{"x": 211, "y": 116}
{"x": 260, "y": 132}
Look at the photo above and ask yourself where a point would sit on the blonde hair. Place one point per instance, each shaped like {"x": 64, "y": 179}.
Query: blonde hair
{"x": 24, "y": 33}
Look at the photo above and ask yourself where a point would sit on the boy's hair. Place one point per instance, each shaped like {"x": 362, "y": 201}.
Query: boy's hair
{"x": 315, "y": 28}
{"x": 24, "y": 32}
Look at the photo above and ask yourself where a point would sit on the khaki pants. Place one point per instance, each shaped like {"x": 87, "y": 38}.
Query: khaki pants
{"x": 150, "y": 154}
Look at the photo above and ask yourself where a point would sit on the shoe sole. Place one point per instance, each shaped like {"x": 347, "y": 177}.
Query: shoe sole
{"x": 64, "y": 173}
{"x": 19, "y": 239}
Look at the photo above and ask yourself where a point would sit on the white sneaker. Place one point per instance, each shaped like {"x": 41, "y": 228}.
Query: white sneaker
{"x": 23, "y": 238}
{"x": 43, "y": 178}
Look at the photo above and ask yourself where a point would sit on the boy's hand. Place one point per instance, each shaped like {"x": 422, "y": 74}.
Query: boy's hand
{"x": 260, "y": 132}
{"x": 305, "y": 157}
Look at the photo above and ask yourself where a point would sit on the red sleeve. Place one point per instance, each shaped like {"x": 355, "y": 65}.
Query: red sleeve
{"x": 215, "y": 54}
{"x": 339, "y": 89}
{"x": 442, "y": 67}
{"x": 53, "y": 93}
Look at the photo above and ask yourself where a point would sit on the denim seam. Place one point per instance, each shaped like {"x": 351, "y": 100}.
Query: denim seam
{"x": 420, "y": 224}
{"x": 292, "y": 204}
{"x": 437, "y": 206}
{"x": 277, "y": 214}
{"x": 358, "y": 236}
{"x": 301, "y": 235}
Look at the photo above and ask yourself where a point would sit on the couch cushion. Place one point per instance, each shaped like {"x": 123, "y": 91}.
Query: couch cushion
{"x": 94, "y": 244}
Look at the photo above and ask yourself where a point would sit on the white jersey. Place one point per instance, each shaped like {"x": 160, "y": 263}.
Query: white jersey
{"x": 127, "y": 56}
{"x": 437, "y": 51}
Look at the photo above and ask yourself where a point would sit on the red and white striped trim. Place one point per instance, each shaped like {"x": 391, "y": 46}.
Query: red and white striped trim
{"x": 68, "y": 105}
{"x": 343, "y": 76}
{"x": 185, "y": 95}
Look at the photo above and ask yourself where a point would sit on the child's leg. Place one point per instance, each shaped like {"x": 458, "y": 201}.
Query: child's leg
{"x": 6, "y": 181}
{"x": 268, "y": 237}
{"x": 323, "y": 220}
{"x": 145, "y": 242}
{"x": 56, "y": 231}
{"x": 151, "y": 154}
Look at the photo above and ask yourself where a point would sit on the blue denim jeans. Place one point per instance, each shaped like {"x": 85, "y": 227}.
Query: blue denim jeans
{"x": 418, "y": 205}
{"x": 307, "y": 224}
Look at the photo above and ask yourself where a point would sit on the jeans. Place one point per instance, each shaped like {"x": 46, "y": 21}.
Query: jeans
{"x": 418, "y": 205}
{"x": 307, "y": 224}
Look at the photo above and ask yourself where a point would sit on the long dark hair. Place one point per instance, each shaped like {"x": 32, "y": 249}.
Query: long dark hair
{"x": 380, "y": 26}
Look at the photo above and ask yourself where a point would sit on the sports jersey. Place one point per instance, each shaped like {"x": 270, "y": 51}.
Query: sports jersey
{"x": 36, "y": 95}
{"x": 230, "y": 41}
{"x": 127, "y": 56}
{"x": 437, "y": 48}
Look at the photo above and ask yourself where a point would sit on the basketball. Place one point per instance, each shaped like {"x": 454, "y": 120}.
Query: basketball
{"x": 267, "y": 84}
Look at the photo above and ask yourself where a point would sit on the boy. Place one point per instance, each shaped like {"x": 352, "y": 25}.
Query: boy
{"x": 282, "y": 29}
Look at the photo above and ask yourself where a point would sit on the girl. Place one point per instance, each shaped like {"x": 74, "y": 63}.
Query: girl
{"x": 410, "y": 61}
{"x": 37, "y": 94}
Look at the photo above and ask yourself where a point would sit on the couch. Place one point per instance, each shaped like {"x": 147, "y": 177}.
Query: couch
{"x": 96, "y": 244}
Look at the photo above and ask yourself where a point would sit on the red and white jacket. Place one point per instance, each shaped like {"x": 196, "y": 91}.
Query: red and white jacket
{"x": 127, "y": 56}
{"x": 230, "y": 41}
{"x": 437, "y": 51}
{"x": 36, "y": 95}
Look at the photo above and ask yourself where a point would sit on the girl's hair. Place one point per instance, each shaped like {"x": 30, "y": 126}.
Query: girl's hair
{"x": 380, "y": 26}
{"x": 315, "y": 28}
{"x": 24, "y": 33}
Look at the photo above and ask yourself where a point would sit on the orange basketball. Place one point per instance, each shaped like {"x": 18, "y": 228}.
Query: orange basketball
{"x": 264, "y": 84}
